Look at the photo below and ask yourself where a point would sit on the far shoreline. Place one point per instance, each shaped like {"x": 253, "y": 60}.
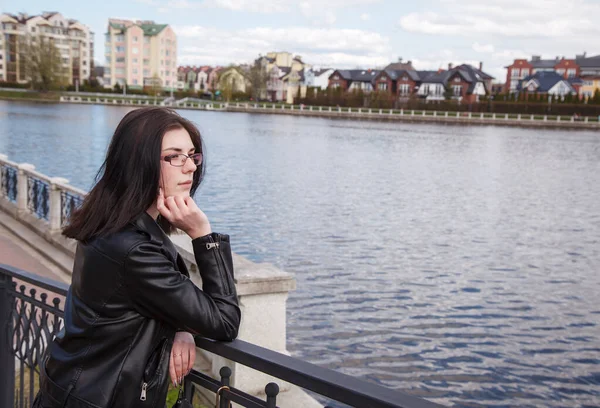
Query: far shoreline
{"x": 381, "y": 115}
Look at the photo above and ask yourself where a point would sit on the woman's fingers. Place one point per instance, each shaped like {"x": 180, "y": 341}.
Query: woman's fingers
{"x": 179, "y": 366}
{"x": 172, "y": 372}
{"x": 185, "y": 359}
{"x": 160, "y": 205}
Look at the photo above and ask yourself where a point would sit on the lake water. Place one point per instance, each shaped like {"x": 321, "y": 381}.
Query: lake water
{"x": 461, "y": 264}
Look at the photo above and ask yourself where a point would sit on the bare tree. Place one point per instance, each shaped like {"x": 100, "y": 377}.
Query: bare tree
{"x": 258, "y": 77}
{"x": 42, "y": 62}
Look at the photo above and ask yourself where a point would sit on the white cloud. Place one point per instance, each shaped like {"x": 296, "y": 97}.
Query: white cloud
{"x": 320, "y": 46}
{"x": 321, "y": 12}
{"x": 365, "y": 16}
{"x": 483, "y": 48}
{"x": 509, "y": 18}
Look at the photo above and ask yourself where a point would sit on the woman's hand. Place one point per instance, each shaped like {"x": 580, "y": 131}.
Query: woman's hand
{"x": 183, "y": 355}
{"x": 183, "y": 213}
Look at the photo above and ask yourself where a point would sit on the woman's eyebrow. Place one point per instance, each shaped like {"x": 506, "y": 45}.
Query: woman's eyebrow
{"x": 177, "y": 149}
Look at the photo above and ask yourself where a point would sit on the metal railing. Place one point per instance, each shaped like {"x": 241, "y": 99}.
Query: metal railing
{"x": 372, "y": 113}
{"x": 28, "y": 323}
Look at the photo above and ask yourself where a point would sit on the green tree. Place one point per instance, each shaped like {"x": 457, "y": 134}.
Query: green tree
{"x": 42, "y": 62}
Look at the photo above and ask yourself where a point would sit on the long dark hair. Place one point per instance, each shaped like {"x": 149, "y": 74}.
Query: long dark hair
{"x": 127, "y": 182}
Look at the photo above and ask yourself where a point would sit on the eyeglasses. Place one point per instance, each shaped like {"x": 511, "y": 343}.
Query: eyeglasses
{"x": 178, "y": 160}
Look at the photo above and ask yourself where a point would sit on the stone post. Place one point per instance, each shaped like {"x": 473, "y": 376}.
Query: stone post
{"x": 22, "y": 186}
{"x": 55, "y": 203}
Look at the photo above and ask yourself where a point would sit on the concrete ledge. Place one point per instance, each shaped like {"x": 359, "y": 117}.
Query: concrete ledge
{"x": 251, "y": 278}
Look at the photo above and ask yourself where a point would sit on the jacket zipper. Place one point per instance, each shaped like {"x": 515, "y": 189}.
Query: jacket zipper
{"x": 144, "y": 387}
{"x": 219, "y": 257}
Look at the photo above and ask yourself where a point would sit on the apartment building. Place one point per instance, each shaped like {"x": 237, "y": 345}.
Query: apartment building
{"x": 140, "y": 53}
{"x": 74, "y": 40}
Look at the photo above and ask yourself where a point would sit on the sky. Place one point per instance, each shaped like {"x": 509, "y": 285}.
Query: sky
{"x": 353, "y": 33}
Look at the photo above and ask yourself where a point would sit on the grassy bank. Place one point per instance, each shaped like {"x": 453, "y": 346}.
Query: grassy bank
{"x": 30, "y": 96}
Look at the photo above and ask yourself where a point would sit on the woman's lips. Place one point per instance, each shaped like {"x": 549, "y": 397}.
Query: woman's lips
{"x": 186, "y": 183}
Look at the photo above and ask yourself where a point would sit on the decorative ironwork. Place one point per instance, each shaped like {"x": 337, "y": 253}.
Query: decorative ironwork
{"x": 29, "y": 323}
{"x": 9, "y": 183}
{"x": 38, "y": 197}
{"x": 69, "y": 202}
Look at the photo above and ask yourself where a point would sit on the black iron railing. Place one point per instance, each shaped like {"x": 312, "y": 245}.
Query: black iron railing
{"x": 38, "y": 197}
{"x": 69, "y": 202}
{"x": 29, "y": 322}
{"x": 8, "y": 188}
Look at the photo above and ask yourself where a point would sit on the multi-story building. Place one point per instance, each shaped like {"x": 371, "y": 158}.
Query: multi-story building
{"x": 140, "y": 53}
{"x": 74, "y": 41}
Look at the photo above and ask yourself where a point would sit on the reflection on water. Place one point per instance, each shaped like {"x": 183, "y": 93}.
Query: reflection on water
{"x": 455, "y": 263}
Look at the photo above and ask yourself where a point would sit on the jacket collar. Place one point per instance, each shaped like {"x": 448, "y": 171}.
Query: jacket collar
{"x": 149, "y": 225}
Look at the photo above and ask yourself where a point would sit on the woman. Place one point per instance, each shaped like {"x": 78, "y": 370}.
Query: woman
{"x": 131, "y": 311}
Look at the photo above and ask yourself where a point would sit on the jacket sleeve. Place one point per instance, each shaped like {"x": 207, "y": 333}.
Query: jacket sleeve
{"x": 159, "y": 291}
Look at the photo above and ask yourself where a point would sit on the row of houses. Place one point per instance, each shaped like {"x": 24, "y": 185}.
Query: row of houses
{"x": 288, "y": 77}
{"x": 402, "y": 81}
{"x": 559, "y": 76}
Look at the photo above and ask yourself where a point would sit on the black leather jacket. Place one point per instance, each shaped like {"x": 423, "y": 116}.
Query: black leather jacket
{"x": 130, "y": 293}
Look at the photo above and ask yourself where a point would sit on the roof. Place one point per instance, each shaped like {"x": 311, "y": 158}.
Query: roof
{"x": 543, "y": 63}
{"x": 321, "y": 71}
{"x": 152, "y": 29}
{"x": 545, "y": 80}
{"x": 358, "y": 75}
{"x": 436, "y": 77}
{"x": 589, "y": 62}
{"x": 400, "y": 66}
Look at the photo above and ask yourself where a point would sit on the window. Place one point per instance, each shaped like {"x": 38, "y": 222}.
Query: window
{"x": 457, "y": 90}
{"x": 335, "y": 85}
{"x": 135, "y": 50}
{"x": 107, "y": 60}
{"x": 168, "y": 82}
{"x": 33, "y": 29}
{"x": 146, "y": 72}
{"x": 84, "y": 72}
{"x": 146, "y": 40}
{"x": 162, "y": 73}
{"x": 404, "y": 89}
{"x": 513, "y": 84}
{"x": 515, "y": 72}
{"x": 560, "y": 71}
{"x": 382, "y": 86}
{"x": 146, "y": 62}
{"x": 426, "y": 89}
{"x": 146, "y": 52}
{"x": 84, "y": 62}
{"x": 525, "y": 72}
{"x": 588, "y": 83}
{"x": 120, "y": 38}
{"x": 120, "y": 59}
{"x": 167, "y": 53}
{"x": 457, "y": 79}
{"x": 571, "y": 72}
{"x": 135, "y": 71}
{"x": 120, "y": 71}
{"x": 162, "y": 62}
{"x": 135, "y": 81}
{"x": 135, "y": 39}
{"x": 120, "y": 49}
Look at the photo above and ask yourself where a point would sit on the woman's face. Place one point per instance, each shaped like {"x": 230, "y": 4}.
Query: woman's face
{"x": 177, "y": 181}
